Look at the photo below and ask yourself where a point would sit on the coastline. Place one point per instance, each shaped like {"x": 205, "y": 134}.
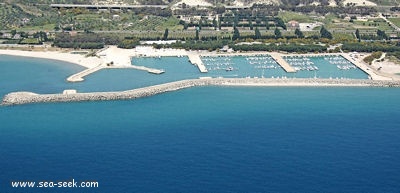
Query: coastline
{"x": 19, "y": 98}
{"x": 87, "y": 62}
{"x": 113, "y": 57}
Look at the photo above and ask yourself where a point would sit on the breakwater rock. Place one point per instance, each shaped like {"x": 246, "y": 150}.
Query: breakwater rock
{"x": 18, "y": 98}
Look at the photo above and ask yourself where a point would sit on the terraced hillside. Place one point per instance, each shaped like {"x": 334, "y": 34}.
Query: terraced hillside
{"x": 8, "y": 15}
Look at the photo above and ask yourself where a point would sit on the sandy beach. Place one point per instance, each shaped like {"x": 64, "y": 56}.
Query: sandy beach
{"x": 88, "y": 62}
{"x": 387, "y": 67}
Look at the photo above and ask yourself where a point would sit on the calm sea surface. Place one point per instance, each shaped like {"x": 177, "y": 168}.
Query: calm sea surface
{"x": 207, "y": 139}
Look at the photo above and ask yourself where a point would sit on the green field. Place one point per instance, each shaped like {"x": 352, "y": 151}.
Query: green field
{"x": 288, "y": 16}
{"x": 47, "y": 27}
{"x": 395, "y": 21}
{"x": 386, "y": 2}
{"x": 30, "y": 41}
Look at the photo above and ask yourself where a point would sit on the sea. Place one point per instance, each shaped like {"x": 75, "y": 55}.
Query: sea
{"x": 203, "y": 139}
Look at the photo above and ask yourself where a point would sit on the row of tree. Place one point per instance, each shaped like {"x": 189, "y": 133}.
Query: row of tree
{"x": 380, "y": 35}
{"x": 371, "y": 47}
{"x": 94, "y": 41}
{"x": 283, "y": 47}
{"x": 195, "y": 45}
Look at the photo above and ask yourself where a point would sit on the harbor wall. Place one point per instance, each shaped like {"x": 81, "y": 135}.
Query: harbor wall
{"x": 18, "y": 98}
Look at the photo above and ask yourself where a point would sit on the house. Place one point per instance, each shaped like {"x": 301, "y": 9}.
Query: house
{"x": 25, "y": 20}
{"x": 17, "y": 36}
{"x": 73, "y": 33}
{"x": 293, "y": 25}
{"x": 7, "y": 36}
{"x": 116, "y": 17}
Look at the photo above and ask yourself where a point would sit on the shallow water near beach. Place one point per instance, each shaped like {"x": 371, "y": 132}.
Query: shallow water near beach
{"x": 206, "y": 139}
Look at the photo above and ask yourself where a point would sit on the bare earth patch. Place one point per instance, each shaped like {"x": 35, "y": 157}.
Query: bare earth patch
{"x": 359, "y": 2}
{"x": 387, "y": 67}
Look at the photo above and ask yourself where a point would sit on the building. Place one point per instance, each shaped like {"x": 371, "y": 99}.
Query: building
{"x": 293, "y": 25}
{"x": 7, "y": 36}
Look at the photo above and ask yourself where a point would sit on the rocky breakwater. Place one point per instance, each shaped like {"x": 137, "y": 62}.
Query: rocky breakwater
{"x": 18, "y": 98}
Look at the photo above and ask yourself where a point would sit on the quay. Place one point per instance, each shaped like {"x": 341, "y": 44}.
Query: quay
{"x": 196, "y": 60}
{"x": 18, "y": 98}
{"x": 286, "y": 66}
{"x": 149, "y": 70}
{"x": 78, "y": 77}
{"x": 364, "y": 68}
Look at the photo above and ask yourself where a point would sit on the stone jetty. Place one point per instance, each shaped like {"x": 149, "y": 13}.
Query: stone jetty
{"x": 196, "y": 60}
{"x": 18, "y": 98}
{"x": 78, "y": 77}
{"x": 286, "y": 66}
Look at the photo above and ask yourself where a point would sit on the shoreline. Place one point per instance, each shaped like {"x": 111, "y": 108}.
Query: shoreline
{"x": 122, "y": 58}
{"x": 19, "y": 98}
{"x": 87, "y": 62}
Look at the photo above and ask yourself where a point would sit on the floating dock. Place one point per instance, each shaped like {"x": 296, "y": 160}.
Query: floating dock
{"x": 286, "y": 66}
{"x": 196, "y": 60}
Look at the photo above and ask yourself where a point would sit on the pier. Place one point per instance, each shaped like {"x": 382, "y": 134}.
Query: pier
{"x": 149, "y": 70}
{"x": 364, "y": 68}
{"x": 18, "y": 98}
{"x": 286, "y": 66}
{"x": 196, "y": 60}
{"x": 78, "y": 77}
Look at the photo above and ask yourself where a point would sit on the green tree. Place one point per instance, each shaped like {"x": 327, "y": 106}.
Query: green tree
{"x": 215, "y": 23}
{"x": 277, "y": 33}
{"x": 299, "y": 33}
{"x": 266, "y": 25}
{"x": 325, "y": 33}
{"x": 197, "y": 35}
{"x": 165, "y": 37}
{"x": 358, "y": 35}
{"x": 236, "y": 34}
{"x": 381, "y": 34}
{"x": 236, "y": 20}
{"x": 13, "y": 32}
{"x": 257, "y": 33}
{"x": 200, "y": 24}
{"x": 185, "y": 26}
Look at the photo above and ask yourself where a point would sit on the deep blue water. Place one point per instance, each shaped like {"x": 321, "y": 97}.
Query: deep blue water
{"x": 207, "y": 139}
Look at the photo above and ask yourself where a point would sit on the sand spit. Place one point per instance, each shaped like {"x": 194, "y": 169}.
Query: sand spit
{"x": 19, "y": 98}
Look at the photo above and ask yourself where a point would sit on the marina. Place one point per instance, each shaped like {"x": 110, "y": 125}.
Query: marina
{"x": 264, "y": 65}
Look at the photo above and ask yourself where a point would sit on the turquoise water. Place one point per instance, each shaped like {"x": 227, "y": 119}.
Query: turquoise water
{"x": 252, "y": 66}
{"x": 239, "y": 66}
{"x": 36, "y": 75}
{"x": 328, "y": 67}
{"x": 175, "y": 69}
{"x": 206, "y": 139}
{"x": 265, "y": 66}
